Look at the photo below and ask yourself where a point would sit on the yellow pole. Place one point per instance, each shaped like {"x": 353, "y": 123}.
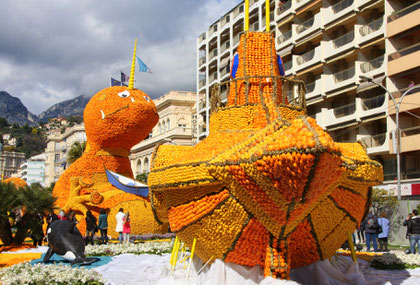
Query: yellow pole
{"x": 191, "y": 259}
{"x": 176, "y": 253}
{"x": 133, "y": 67}
{"x": 267, "y": 15}
{"x": 351, "y": 245}
{"x": 246, "y": 15}
{"x": 173, "y": 251}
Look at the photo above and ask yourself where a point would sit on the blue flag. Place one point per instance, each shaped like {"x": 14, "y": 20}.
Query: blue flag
{"x": 115, "y": 82}
{"x": 143, "y": 67}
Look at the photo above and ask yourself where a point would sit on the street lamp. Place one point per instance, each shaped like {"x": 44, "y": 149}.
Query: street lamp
{"x": 397, "y": 111}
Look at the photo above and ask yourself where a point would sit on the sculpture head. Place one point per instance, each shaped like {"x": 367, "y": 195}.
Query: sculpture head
{"x": 119, "y": 117}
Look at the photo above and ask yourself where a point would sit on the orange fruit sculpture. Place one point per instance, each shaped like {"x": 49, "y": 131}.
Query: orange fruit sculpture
{"x": 268, "y": 186}
{"x": 18, "y": 182}
{"x": 115, "y": 119}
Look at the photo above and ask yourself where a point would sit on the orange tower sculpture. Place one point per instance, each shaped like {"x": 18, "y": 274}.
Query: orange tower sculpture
{"x": 268, "y": 186}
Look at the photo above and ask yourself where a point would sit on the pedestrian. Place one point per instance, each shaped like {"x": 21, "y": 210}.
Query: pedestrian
{"x": 126, "y": 228}
{"x": 405, "y": 224}
{"x": 72, "y": 217}
{"x": 36, "y": 229}
{"x": 383, "y": 236}
{"x": 91, "y": 227}
{"x": 371, "y": 226}
{"x": 361, "y": 234}
{"x": 119, "y": 228}
{"x": 103, "y": 226}
{"x": 62, "y": 215}
{"x": 414, "y": 230}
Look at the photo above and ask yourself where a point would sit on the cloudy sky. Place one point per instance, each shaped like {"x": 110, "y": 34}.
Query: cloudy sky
{"x": 54, "y": 50}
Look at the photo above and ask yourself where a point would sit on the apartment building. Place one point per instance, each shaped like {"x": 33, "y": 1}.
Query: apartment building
{"x": 33, "y": 169}
{"x": 58, "y": 144}
{"x": 216, "y": 47}
{"x": 177, "y": 119}
{"x": 329, "y": 44}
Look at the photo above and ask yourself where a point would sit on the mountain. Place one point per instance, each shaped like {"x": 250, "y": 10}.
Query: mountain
{"x": 13, "y": 110}
{"x": 72, "y": 107}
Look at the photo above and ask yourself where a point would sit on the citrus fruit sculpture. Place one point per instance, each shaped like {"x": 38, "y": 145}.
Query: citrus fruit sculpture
{"x": 115, "y": 119}
{"x": 268, "y": 186}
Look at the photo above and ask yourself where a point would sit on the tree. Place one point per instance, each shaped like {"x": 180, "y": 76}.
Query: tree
{"x": 76, "y": 151}
{"x": 31, "y": 200}
{"x": 383, "y": 202}
{"x": 142, "y": 177}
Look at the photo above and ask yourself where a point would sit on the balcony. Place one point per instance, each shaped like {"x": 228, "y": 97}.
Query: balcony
{"x": 212, "y": 55}
{"x": 340, "y": 79}
{"x": 283, "y": 11}
{"x": 373, "y": 67}
{"x": 212, "y": 77}
{"x": 201, "y": 39}
{"x": 238, "y": 13}
{"x": 202, "y": 106}
{"x": 288, "y": 67}
{"x": 225, "y": 23}
{"x": 340, "y": 115}
{"x": 283, "y": 39}
{"x": 224, "y": 47}
{"x": 201, "y": 83}
{"x": 340, "y": 45}
{"x": 224, "y": 71}
{"x": 372, "y": 106}
{"x": 410, "y": 138}
{"x": 403, "y": 20}
{"x": 404, "y": 60}
{"x": 314, "y": 89}
{"x": 300, "y": 3}
{"x": 236, "y": 39}
{"x": 339, "y": 10}
{"x": 376, "y": 143}
{"x": 201, "y": 61}
{"x": 307, "y": 59}
{"x": 254, "y": 27}
{"x": 372, "y": 30}
{"x": 308, "y": 27}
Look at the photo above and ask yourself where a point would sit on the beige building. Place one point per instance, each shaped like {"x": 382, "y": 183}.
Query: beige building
{"x": 177, "y": 120}
{"x": 329, "y": 44}
{"x": 58, "y": 144}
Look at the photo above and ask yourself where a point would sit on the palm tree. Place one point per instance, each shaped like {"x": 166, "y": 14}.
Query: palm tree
{"x": 33, "y": 200}
{"x": 76, "y": 151}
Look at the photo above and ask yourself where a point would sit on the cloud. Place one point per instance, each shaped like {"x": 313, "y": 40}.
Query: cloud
{"x": 56, "y": 50}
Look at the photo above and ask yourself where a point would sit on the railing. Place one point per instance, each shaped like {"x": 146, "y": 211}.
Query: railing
{"x": 284, "y": 7}
{"x": 397, "y": 94}
{"x": 225, "y": 20}
{"x": 213, "y": 76}
{"x": 202, "y": 37}
{"x": 374, "y": 141}
{"x": 404, "y": 52}
{"x": 340, "y": 6}
{"x": 254, "y": 27}
{"x": 372, "y": 64}
{"x": 344, "y": 75}
{"x": 305, "y": 57}
{"x": 344, "y": 110}
{"x": 371, "y": 27}
{"x": 344, "y": 39}
{"x": 373, "y": 102}
{"x": 410, "y": 131}
{"x": 225, "y": 46}
{"x": 284, "y": 37}
{"x": 201, "y": 83}
{"x": 201, "y": 61}
{"x": 225, "y": 70}
{"x": 238, "y": 10}
{"x": 236, "y": 38}
{"x": 305, "y": 25}
{"x": 213, "y": 53}
{"x": 404, "y": 11}
{"x": 310, "y": 87}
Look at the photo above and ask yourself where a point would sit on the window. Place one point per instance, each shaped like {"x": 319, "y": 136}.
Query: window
{"x": 146, "y": 165}
{"x": 57, "y": 146}
{"x": 57, "y": 158}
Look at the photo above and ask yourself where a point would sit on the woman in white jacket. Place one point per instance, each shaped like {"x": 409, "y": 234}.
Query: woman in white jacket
{"x": 120, "y": 221}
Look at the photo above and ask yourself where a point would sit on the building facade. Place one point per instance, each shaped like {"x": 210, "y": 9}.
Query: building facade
{"x": 33, "y": 170}
{"x": 10, "y": 162}
{"x": 58, "y": 144}
{"x": 177, "y": 117}
{"x": 329, "y": 45}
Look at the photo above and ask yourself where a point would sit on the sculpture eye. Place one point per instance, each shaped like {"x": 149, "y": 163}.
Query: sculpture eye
{"x": 147, "y": 98}
{"x": 124, "y": 94}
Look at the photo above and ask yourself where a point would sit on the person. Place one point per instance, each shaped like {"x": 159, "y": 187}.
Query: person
{"x": 119, "y": 228}
{"x": 126, "y": 228}
{"x": 62, "y": 215}
{"x": 370, "y": 224}
{"x": 91, "y": 227}
{"x": 412, "y": 84}
{"x": 37, "y": 231}
{"x": 405, "y": 224}
{"x": 72, "y": 217}
{"x": 103, "y": 226}
{"x": 383, "y": 236}
{"x": 361, "y": 234}
{"x": 414, "y": 230}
